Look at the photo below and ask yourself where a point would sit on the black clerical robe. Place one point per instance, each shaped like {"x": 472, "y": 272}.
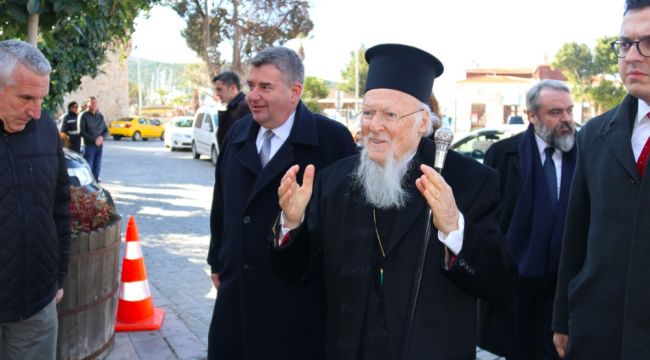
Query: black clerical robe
{"x": 337, "y": 241}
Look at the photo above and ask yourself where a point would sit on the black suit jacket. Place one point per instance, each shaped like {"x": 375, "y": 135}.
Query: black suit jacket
{"x": 339, "y": 234}
{"x": 278, "y": 320}
{"x": 602, "y": 293}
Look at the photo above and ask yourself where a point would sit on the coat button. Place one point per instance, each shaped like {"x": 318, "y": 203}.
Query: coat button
{"x": 247, "y": 268}
{"x": 461, "y": 262}
{"x": 247, "y": 220}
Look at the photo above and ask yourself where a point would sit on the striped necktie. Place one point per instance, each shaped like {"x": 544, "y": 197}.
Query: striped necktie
{"x": 265, "y": 151}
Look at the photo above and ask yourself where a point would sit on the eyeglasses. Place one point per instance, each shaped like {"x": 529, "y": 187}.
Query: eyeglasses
{"x": 385, "y": 117}
{"x": 622, "y": 47}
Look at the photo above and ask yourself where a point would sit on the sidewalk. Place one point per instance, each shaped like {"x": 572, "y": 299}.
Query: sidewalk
{"x": 173, "y": 341}
{"x": 176, "y": 341}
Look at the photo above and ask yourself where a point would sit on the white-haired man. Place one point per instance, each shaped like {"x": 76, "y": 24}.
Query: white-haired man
{"x": 367, "y": 218}
{"x": 34, "y": 207}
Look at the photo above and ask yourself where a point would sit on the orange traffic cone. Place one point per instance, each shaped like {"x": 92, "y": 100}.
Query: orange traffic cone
{"x": 135, "y": 310}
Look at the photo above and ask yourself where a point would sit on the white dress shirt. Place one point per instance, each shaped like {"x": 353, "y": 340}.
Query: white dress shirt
{"x": 641, "y": 129}
{"x": 281, "y": 135}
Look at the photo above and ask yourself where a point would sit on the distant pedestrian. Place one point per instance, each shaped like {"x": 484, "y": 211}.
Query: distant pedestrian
{"x": 93, "y": 130}
{"x": 70, "y": 127}
{"x": 228, "y": 89}
{"x": 34, "y": 208}
{"x": 536, "y": 169}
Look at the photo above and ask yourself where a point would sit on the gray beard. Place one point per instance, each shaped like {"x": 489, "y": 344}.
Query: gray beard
{"x": 564, "y": 143}
{"x": 382, "y": 187}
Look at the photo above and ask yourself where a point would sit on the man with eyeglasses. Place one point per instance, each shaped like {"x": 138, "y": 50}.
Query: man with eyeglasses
{"x": 536, "y": 169}
{"x": 603, "y": 293}
{"x": 368, "y": 216}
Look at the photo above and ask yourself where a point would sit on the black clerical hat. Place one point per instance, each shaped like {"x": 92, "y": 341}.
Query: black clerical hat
{"x": 403, "y": 68}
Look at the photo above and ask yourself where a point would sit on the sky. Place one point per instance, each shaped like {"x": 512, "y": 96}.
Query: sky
{"x": 462, "y": 34}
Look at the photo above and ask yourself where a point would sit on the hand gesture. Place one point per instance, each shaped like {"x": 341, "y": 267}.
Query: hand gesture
{"x": 294, "y": 198}
{"x": 440, "y": 198}
{"x": 560, "y": 341}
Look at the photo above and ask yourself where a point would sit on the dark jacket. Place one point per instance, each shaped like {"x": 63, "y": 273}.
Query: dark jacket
{"x": 256, "y": 312}
{"x": 339, "y": 234}
{"x": 69, "y": 125}
{"x": 498, "y": 320}
{"x": 602, "y": 291}
{"x": 92, "y": 126}
{"x": 34, "y": 219}
{"x": 237, "y": 108}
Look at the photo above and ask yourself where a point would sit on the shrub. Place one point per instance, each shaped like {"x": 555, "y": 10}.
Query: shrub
{"x": 88, "y": 211}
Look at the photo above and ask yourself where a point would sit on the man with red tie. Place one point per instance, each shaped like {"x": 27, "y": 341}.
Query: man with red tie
{"x": 601, "y": 305}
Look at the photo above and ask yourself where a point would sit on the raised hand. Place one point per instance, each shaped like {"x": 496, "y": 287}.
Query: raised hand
{"x": 294, "y": 198}
{"x": 440, "y": 198}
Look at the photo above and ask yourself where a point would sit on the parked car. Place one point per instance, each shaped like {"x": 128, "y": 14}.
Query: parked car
{"x": 137, "y": 128}
{"x": 178, "y": 133}
{"x": 204, "y": 133}
{"x": 476, "y": 143}
{"x": 81, "y": 175}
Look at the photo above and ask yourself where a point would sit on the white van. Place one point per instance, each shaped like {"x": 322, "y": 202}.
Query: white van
{"x": 204, "y": 133}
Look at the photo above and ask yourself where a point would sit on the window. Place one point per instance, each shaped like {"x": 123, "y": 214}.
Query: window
{"x": 478, "y": 116}
{"x": 199, "y": 120}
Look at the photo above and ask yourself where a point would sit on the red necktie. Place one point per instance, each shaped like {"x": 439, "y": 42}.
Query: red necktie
{"x": 643, "y": 158}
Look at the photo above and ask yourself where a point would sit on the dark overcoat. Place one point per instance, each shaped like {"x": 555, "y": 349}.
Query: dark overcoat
{"x": 340, "y": 235}
{"x": 602, "y": 294}
{"x": 256, "y": 312}
{"x": 236, "y": 109}
{"x": 498, "y": 320}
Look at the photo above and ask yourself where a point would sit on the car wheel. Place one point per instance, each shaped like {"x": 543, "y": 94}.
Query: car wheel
{"x": 172, "y": 149}
{"x": 137, "y": 136}
{"x": 214, "y": 155}
{"x": 162, "y": 136}
{"x": 117, "y": 137}
{"x": 145, "y": 139}
{"x": 195, "y": 154}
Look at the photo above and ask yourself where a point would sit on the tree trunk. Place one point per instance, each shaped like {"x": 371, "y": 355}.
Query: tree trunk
{"x": 236, "y": 52}
{"x": 32, "y": 29}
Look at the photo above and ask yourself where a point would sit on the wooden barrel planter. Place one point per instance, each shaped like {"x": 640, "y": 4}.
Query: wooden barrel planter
{"x": 87, "y": 311}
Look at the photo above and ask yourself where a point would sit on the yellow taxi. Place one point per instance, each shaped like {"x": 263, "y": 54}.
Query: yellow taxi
{"x": 137, "y": 128}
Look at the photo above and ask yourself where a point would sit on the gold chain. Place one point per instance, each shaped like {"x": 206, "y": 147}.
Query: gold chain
{"x": 381, "y": 247}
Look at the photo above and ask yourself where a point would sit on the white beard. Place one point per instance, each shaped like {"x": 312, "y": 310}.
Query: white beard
{"x": 383, "y": 187}
{"x": 564, "y": 142}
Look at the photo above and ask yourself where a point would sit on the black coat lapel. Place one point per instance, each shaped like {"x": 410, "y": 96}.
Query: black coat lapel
{"x": 617, "y": 133}
{"x": 303, "y": 132}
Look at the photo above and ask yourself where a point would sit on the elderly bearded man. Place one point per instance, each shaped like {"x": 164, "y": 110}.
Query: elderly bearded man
{"x": 367, "y": 218}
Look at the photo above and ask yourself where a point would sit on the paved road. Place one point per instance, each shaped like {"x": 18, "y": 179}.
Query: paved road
{"x": 169, "y": 194}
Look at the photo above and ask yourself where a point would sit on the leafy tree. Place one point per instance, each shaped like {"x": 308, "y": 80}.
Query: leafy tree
{"x": 314, "y": 89}
{"x": 607, "y": 92}
{"x": 251, "y": 25}
{"x": 75, "y": 35}
{"x": 593, "y": 75}
{"x": 348, "y": 74}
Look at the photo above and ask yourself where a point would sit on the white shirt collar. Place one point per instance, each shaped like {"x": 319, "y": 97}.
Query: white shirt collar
{"x": 541, "y": 145}
{"x": 281, "y": 131}
{"x": 643, "y": 110}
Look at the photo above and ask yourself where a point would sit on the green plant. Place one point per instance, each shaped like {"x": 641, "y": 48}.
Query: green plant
{"x": 88, "y": 211}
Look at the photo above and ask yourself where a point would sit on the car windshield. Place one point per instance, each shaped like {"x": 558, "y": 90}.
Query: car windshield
{"x": 184, "y": 123}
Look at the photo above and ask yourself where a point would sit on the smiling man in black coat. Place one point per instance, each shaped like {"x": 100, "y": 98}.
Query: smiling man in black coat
{"x": 368, "y": 216}
{"x": 257, "y": 315}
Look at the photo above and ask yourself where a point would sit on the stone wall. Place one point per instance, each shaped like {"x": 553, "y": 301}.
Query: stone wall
{"x": 110, "y": 87}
